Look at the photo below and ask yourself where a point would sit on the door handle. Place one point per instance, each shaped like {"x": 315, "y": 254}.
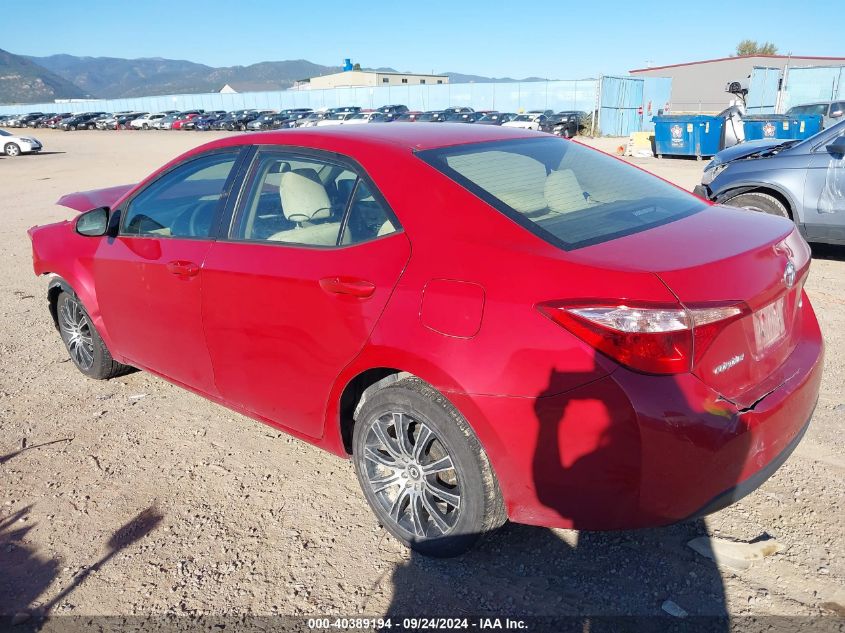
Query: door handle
{"x": 348, "y": 286}
{"x": 182, "y": 268}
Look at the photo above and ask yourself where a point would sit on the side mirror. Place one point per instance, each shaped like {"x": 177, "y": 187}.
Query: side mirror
{"x": 93, "y": 223}
{"x": 836, "y": 114}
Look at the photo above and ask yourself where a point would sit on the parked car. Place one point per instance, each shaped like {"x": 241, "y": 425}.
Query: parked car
{"x": 497, "y": 118}
{"x": 56, "y": 119}
{"x": 336, "y": 118}
{"x": 367, "y": 117}
{"x": 432, "y": 116}
{"x": 14, "y": 145}
{"x": 583, "y": 346}
{"x": 146, "y": 121}
{"x": 800, "y": 180}
{"x": 205, "y": 120}
{"x": 164, "y": 123}
{"x": 183, "y": 119}
{"x": 25, "y": 120}
{"x": 311, "y": 120}
{"x": 408, "y": 117}
{"x": 393, "y": 112}
{"x": 527, "y": 121}
{"x": 831, "y": 111}
{"x": 38, "y": 121}
{"x": 457, "y": 110}
{"x": 80, "y": 122}
{"x": 464, "y": 117}
{"x": 343, "y": 110}
{"x": 566, "y": 124}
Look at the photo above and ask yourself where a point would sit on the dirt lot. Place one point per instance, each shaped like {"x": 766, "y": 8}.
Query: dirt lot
{"x": 136, "y": 497}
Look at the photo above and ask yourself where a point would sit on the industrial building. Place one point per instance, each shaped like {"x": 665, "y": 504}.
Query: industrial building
{"x": 700, "y": 86}
{"x": 372, "y": 78}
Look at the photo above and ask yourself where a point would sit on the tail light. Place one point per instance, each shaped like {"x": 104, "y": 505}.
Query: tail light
{"x": 654, "y": 339}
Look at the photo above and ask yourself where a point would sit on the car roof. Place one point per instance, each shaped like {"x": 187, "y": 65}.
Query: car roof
{"x": 417, "y": 137}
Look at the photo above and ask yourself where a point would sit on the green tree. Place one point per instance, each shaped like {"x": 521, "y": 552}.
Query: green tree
{"x": 356, "y": 66}
{"x": 751, "y": 47}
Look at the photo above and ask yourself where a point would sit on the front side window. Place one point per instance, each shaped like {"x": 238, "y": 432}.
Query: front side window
{"x": 296, "y": 199}
{"x": 569, "y": 195}
{"x": 183, "y": 202}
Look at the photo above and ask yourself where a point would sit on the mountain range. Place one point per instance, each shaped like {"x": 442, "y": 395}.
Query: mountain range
{"x": 26, "y": 79}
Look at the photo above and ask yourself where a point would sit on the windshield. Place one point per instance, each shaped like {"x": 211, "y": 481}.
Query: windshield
{"x": 567, "y": 194}
{"x": 810, "y": 108}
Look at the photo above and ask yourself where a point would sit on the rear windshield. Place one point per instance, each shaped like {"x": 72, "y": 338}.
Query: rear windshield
{"x": 567, "y": 194}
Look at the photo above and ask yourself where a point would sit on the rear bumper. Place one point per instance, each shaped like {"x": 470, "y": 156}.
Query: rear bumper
{"x": 630, "y": 450}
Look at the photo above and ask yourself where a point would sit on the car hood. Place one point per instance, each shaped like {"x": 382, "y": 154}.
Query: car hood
{"x": 745, "y": 149}
{"x": 87, "y": 200}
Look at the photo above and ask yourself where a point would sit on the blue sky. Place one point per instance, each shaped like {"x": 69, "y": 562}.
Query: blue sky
{"x": 494, "y": 38}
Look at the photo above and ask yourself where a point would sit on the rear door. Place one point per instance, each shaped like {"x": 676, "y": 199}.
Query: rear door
{"x": 290, "y": 298}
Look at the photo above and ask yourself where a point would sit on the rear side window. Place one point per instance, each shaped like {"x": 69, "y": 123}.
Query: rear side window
{"x": 567, "y": 194}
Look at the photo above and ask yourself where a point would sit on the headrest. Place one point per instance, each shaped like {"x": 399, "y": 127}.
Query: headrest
{"x": 303, "y": 199}
{"x": 563, "y": 192}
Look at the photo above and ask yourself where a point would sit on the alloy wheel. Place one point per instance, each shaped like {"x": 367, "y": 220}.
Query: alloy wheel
{"x": 412, "y": 476}
{"x": 76, "y": 331}
{"x": 12, "y": 150}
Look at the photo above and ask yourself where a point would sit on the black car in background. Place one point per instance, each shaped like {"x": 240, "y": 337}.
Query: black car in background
{"x": 433, "y": 116}
{"x": 392, "y": 112}
{"x": 566, "y": 124}
{"x": 205, "y": 118}
{"x": 464, "y": 117}
{"x": 80, "y": 121}
{"x": 496, "y": 118}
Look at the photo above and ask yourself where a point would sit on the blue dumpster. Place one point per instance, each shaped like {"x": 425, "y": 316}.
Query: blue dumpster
{"x": 780, "y": 126}
{"x": 687, "y": 135}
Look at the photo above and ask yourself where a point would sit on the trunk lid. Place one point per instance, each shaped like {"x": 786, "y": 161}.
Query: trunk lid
{"x": 723, "y": 256}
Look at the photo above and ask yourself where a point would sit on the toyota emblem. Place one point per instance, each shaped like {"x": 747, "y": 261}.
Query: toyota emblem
{"x": 789, "y": 275}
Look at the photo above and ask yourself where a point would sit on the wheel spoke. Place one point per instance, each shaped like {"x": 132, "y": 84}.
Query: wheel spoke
{"x": 435, "y": 515}
{"x": 375, "y": 456}
{"x": 422, "y": 441}
{"x": 385, "y": 440}
{"x": 393, "y": 479}
{"x": 398, "y": 504}
{"x": 442, "y": 494}
{"x": 415, "y": 508}
{"x": 400, "y": 423}
{"x": 439, "y": 466}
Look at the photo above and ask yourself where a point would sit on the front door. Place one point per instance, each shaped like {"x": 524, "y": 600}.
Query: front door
{"x": 150, "y": 275}
{"x": 291, "y": 297}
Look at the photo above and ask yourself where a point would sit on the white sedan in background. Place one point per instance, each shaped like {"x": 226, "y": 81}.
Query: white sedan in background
{"x": 146, "y": 122}
{"x": 529, "y": 121}
{"x": 16, "y": 145}
{"x": 336, "y": 119}
{"x": 366, "y": 117}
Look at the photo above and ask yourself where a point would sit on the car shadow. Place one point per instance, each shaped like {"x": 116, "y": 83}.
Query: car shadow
{"x": 579, "y": 580}
{"x": 832, "y": 252}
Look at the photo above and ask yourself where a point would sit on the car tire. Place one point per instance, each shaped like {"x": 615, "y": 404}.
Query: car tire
{"x": 146, "y": 127}
{"x": 567, "y": 133}
{"x": 72, "y": 128}
{"x": 439, "y": 513}
{"x": 91, "y": 126}
{"x": 758, "y": 201}
{"x": 84, "y": 345}
{"x": 11, "y": 150}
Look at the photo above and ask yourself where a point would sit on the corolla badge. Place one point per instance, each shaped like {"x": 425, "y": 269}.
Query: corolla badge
{"x": 789, "y": 275}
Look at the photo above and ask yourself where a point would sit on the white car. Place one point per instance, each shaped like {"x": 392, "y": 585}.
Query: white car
{"x": 366, "y": 117}
{"x": 146, "y": 122}
{"x": 336, "y": 119}
{"x": 16, "y": 145}
{"x": 529, "y": 121}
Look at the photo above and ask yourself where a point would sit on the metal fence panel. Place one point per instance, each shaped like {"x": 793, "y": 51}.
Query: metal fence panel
{"x": 818, "y": 83}
{"x": 621, "y": 98}
{"x": 763, "y": 90}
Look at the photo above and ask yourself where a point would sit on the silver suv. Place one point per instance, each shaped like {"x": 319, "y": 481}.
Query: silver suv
{"x": 831, "y": 111}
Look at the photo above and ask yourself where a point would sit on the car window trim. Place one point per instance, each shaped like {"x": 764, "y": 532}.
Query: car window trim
{"x": 238, "y": 152}
{"x": 326, "y": 156}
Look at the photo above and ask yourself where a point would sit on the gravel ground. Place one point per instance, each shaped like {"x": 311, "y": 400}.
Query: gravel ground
{"x": 135, "y": 497}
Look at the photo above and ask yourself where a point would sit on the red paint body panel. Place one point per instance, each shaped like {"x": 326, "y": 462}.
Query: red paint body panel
{"x": 576, "y": 440}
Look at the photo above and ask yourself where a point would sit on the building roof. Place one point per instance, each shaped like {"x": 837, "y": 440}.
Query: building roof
{"x": 735, "y": 57}
{"x": 370, "y": 71}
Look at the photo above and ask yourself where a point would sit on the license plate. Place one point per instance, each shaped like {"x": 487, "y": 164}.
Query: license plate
{"x": 769, "y": 325}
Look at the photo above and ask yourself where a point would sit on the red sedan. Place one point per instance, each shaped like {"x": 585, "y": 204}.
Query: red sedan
{"x": 182, "y": 120}
{"x": 493, "y": 323}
